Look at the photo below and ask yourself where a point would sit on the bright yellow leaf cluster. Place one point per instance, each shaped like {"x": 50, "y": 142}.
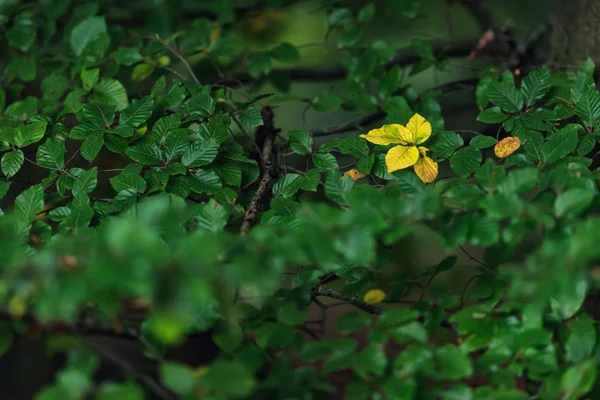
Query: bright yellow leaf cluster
{"x": 408, "y": 153}
{"x": 374, "y": 296}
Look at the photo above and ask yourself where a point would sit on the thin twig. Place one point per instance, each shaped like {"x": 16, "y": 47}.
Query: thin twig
{"x": 362, "y": 122}
{"x": 353, "y": 300}
{"x": 180, "y": 57}
{"x": 129, "y": 369}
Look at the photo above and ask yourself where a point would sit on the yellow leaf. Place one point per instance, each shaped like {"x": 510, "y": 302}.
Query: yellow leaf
{"x": 419, "y": 130}
{"x": 17, "y": 307}
{"x": 388, "y": 134}
{"x": 401, "y": 157}
{"x": 425, "y": 167}
{"x": 354, "y": 174}
{"x": 374, "y": 296}
{"x": 507, "y": 146}
{"x": 215, "y": 33}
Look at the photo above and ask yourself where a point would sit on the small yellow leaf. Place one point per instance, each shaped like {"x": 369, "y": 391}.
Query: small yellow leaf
{"x": 419, "y": 130}
{"x": 426, "y": 168}
{"x": 17, "y": 307}
{"x": 388, "y": 134}
{"x": 507, "y": 146}
{"x": 215, "y": 33}
{"x": 401, "y": 157}
{"x": 374, "y": 296}
{"x": 354, "y": 174}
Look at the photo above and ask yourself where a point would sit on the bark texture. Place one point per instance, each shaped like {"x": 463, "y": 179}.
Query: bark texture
{"x": 575, "y": 32}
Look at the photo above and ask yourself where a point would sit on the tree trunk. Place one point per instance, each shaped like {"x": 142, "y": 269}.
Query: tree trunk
{"x": 575, "y": 32}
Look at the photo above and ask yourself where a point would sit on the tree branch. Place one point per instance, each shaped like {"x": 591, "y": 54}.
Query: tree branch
{"x": 265, "y": 137}
{"x": 403, "y": 57}
{"x": 353, "y": 300}
{"x": 362, "y": 122}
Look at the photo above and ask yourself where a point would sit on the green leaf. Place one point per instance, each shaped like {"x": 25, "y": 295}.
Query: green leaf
{"x": 413, "y": 331}
{"x": 4, "y": 187}
{"x": 127, "y": 56}
{"x": 137, "y": 113}
{"x": 54, "y": 86}
{"x": 337, "y": 187}
{"x": 89, "y": 77}
{"x": 145, "y": 153}
{"x": 588, "y": 106}
{"x": 100, "y": 115}
{"x": 389, "y": 83}
{"x": 573, "y": 201}
{"x": 582, "y": 340}
{"x": 86, "y": 32}
{"x": 177, "y": 377}
{"x": 29, "y": 203}
{"x": 453, "y": 363}
{"x": 286, "y": 53}
{"x": 397, "y": 317}
{"x": 213, "y": 217}
{"x": 586, "y": 145}
{"x": 229, "y": 174}
{"x": 30, "y": 133}
{"x": 446, "y": 142}
{"x": 259, "y": 64}
{"x": 230, "y": 338}
{"x": 202, "y": 104}
{"x": 287, "y": 185}
{"x": 353, "y": 321}
{"x": 578, "y": 380}
{"x": 86, "y": 182}
{"x": 200, "y": 153}
{"x": 300, "y": 142}
{"x": 482, "y": 142}
{"x": 111, "y": 92}
{"x": 122, "y": 391}
{"x": 535, "y": 85}
{"x": 465, "y": 161}
{"x": 506, "y": 96}
{"x": 12, "y": 162}
{"x": 325, "y": 161}
{"x": 366, "y": 13}
{"x": 326, "y": 102}
{"x": 85, "y": 130}
{"x": 355, "y": 146}
{"x": 250, "y": 118}
{"x": 492, "y": 115}
{"x": 310, "y": 181}
{"x": 21, "y": 34}
{"x": 221, "y": 375}
{"x": 51, "y": 154}
{"x": 92, "y": 146}
{"x": 205, "y": 182}
{"x": 561, "y": 143}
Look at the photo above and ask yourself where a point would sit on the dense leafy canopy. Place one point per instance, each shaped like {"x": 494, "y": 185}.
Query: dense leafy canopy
{"x": 150, "y": 193}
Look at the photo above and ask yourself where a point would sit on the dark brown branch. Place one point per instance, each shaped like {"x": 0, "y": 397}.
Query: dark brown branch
{"x": 360, "y": 123}
{"x": 84, "y": 325}
{"x": 353, "y": 300}
{"x": 403, "y": 57}
{"x": 265, "y": 137}
{"x": 481, "y": 14}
